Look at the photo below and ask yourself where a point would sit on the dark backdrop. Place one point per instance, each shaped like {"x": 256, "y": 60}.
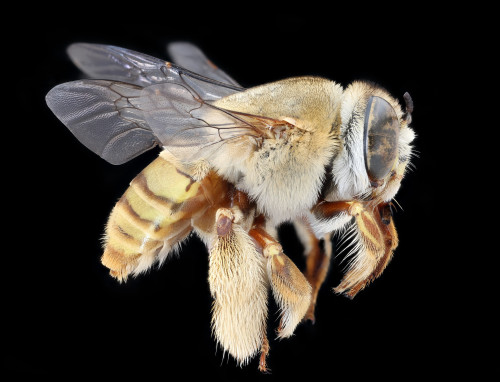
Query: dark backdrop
{"x": 66, "y": 317}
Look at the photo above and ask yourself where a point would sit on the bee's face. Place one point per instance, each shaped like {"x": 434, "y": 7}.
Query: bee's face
{"x": 375, "y": 145}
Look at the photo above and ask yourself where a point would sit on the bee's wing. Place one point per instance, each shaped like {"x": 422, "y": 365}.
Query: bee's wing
{"x": 191, "y": 57}
{"x": 99, "y": 114}
{"x": 119, "y": 121}
{"x": 145, "y": 101}
{"x": 120, "y": 64}
{"x": 114, "y": 63}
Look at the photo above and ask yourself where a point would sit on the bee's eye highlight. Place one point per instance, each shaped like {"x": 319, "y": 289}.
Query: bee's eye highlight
{"x": 381, "y": 135}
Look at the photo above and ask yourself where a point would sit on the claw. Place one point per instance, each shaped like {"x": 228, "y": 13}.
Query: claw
{"x": 310, "y": 314}
{"x": 264, "y": 351}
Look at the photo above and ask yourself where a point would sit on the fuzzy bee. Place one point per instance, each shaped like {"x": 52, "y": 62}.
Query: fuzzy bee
{"x": 235, "y": 164}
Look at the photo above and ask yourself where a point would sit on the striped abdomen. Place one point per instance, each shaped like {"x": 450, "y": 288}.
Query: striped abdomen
{"x": 152, "y": 216}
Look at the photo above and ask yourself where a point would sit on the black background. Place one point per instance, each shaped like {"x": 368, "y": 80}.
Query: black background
{"x": 66, "y": 317}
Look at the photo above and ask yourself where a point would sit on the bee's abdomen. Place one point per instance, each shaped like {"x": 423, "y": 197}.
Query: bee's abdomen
{"x": 152, "y": 216}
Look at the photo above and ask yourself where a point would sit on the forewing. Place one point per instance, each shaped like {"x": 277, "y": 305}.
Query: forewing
{"x": 189, "y": 126}
{"x": 191, "y": 57}
{"x": 100, "y": 114}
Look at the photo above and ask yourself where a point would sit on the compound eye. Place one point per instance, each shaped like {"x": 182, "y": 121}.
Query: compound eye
{"x": 381, "y": 135}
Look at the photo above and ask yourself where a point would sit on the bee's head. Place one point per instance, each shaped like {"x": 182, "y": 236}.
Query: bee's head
{"x": 375, "y": 137}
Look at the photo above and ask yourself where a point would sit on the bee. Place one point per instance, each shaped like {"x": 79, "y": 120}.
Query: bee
{"x": 235, "y": 164}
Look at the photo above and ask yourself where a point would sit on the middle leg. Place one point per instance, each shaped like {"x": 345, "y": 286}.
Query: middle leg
{"x": 290, "y": 288}
{"x": 317, "y": 260}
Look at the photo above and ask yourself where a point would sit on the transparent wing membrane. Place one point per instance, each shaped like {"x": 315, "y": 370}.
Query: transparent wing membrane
{"x": 186, "y": 125}
{"x": 119, "y": 64}
{"x": 191, "y": 57}
{"x": 100, "y": 115}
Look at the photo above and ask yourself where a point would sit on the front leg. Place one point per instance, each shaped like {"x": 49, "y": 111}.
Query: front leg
{"x": 377, "y": 239}
{"x": 374, "y": 236}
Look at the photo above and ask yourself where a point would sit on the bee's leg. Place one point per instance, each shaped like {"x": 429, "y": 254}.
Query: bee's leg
{"x": 238, "y": 285}
{"x": 317, "y": 260}
{"x": 290, "y": 288}
{"x": 376, "y": 239}
{"x": 264, "y": 351}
